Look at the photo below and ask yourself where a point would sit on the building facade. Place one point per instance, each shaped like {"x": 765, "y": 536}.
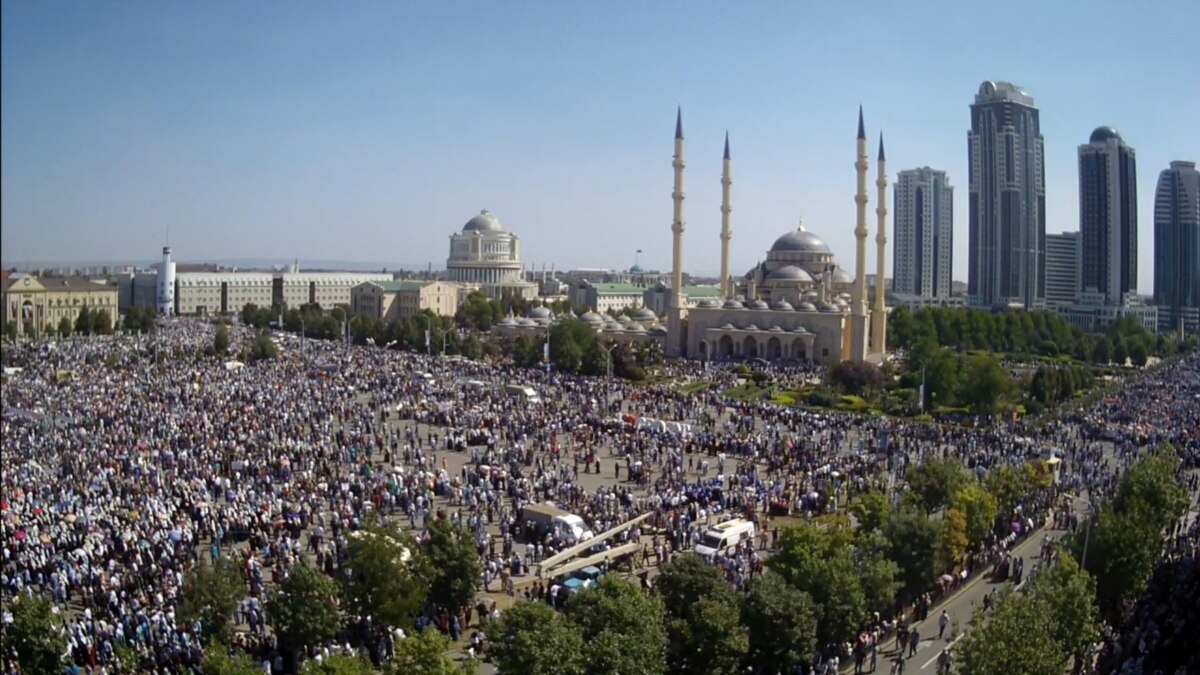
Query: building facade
{"x": 605, "y": 297}
{"x": 293, "y": 288}
{"x": 1177, "y": 247}
{"x": 1062, "y": 268}
{"x": 924, "y": 229}
{"x": 391, "y": 300}
{"x": 1107, "y": 216}
{"x": 484, "y": 253}
{"x": 1007, "y": 203}
{"x": 213, "y": 293}
{"x": 38, "y": 304}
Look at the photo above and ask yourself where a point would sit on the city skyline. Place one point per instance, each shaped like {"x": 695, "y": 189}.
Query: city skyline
{"x": 252, "y": 133}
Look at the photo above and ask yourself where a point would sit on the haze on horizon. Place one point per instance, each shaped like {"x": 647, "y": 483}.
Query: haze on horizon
{"x": 372, "y": 131}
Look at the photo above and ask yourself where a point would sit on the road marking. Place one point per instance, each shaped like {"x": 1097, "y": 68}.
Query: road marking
{"x": 960, "y": 636}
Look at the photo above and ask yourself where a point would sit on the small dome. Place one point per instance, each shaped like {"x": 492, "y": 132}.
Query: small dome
{"x": 591, "y": 318}
{"x": 644, "y": 313}
{"x": 811, "y": 295}
{"x": 776, "y": 329}
{"x": 636, "y": 269}
{"x": 758, "y": 304}
{"x": 525, "y": 321}
{"x": 1103, "y": 134}
{"x": 635, "y": 328}
{"x": 658, "y": 330}
{"x": 806, "y": 307}
{"x": 789, "y": 273}
{"x": 507, "y": 321}
{"x": 782, "y": 305}
{"x": 709, "y": 303}
{"x": 751, "y": 327}
{"x": 728, "y": 326}
{"x": 613, "y": 327}
{"x": 841, "y": 276}
{"x": 484, "y": 222}
{"x": 733, "y": 304}
{"x": 540, "y": 313}
{"x": 800, "y": 241}
{"x": 801, "y": 330}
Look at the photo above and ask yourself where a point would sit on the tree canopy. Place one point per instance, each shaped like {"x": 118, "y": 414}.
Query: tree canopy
{"x": 303, "y": 608}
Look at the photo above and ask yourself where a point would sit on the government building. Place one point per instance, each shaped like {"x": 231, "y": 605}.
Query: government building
{"x": 486, "y": 255}
{"x": 38, "y": 304}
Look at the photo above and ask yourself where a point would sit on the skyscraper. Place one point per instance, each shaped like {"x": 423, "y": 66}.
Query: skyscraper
{"x": 1062, "y": 268}
{"x": 924, "y": 226}
{"x": 1177, "y": 247}
{"x": 1108, "y": 216}
{"x": 1007, "y": 205}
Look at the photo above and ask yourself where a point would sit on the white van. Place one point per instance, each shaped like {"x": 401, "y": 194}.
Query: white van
{"x": 724, "y": 536}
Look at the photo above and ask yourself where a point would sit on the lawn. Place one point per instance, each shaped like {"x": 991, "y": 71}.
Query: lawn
{"x": 694, "y": 387}
{"x": 746, "y": 392}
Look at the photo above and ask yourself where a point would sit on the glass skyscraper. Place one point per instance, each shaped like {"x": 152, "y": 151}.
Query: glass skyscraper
{"x": 1177, "y": 247}
{"x": 1007, "y": 205}
{"x": 1108, "y": 216}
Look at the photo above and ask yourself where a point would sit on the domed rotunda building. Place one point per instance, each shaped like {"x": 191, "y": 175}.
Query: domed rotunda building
{"x": 486, "y": 255}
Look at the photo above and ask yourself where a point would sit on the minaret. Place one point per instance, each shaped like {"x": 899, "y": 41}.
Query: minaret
{"x": 726, "y": 182}
{"x": 878, "y": 311}
{"x": 675, "y": 335}
{"x": 858, "y": 303}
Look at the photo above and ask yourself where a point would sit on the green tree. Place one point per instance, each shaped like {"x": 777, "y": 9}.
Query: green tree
{"x": 822, "y": 564}
{"x": 622, "y": 629}
{"x": 384, "y": 576}
{"x": 913, "y": 545}
{"x": 871, "y": 510}
{"x": 453, "y": 564}
{"x": 83, "y": 322}
{"x": 1138, "y": 353}
{"x": 219, "y": 660}
{"x": 936, "y": 481}
{"x": 338, "y": 664}
{"x": 533, "y": 639}
{"x": 781, "y": 622}
{"x": 952, "y": 539}
{"x": 1151, "y": 488}
{"x": 1119, "y": 550}
{"x": 985, "y": 385}
{"x": 210, "y": 594}
{"x": 1017, "y": 637}
{"x": 1120, "y": 351}
{"x": 102, "y": 323}
{"x": 979, "y": 506}
{"x": 263, "y": 347}
{"x": 425, "y": 653}
{"x": 856, "y": 377}
{"x": 1070, "y": 593}
{"x": 701, "y": 617}
{"x": 221, "y": 340}
{"x": 1102, "y": 353}
{"x": 35, "y": 635}
{"x": 878, "y": 574}
{"x": 64, "y": 327}
{"x": 303, "y": 609}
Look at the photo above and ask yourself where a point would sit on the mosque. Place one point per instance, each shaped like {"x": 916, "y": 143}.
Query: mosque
{"x": 798, "y": 303}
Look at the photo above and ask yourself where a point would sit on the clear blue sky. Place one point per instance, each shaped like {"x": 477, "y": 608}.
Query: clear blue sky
{"x": 371, "y": 131}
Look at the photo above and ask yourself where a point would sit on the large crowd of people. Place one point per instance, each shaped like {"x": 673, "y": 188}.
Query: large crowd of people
{"x": 128, "y": 458}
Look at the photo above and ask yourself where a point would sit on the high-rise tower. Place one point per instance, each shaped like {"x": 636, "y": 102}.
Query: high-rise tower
{"x": 1007, "y": 228}
{"x": 675, "y": 311}
{"x": 726, "y": 183}
{"x": 923, "y": 231}
{"x": 1108, "y": 215}
{"x": 1177, "y": 247}
{"x": 878, "y": 309}
{"x": 858, "y": 303}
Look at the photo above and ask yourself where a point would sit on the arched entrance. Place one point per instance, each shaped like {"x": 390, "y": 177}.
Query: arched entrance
{"x": 725, "y": 346}
{"x": 774, "y": 349}
{"x": 703, "y": 350}
{"x": 798, "y": 349}
{"x": 750, "y": 347}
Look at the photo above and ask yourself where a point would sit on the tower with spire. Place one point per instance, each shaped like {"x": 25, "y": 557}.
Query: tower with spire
{"x": 726, "y": 183}
{"x": 879, "y": 310}
{"x": 675, "y": 310}
{"x": 857, "y": 349}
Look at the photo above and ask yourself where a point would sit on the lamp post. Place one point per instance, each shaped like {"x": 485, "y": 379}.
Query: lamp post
{"x": 303, "y": 333}
{"x": 608, "y": 356}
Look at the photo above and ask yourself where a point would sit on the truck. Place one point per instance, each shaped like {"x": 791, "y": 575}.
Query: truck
{"x": 539, "y": 520}
{"x": 523, "y": 392}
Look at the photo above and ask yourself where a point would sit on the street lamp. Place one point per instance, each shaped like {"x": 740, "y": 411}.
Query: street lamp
{"x": 608, "y": 357}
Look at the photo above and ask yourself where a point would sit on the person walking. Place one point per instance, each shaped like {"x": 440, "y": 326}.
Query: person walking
{"x": 914, "y": 639}
{"x": 943, "y": 621}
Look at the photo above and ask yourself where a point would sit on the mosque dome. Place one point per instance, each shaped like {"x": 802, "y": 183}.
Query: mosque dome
{"x": 592, "y": 318}
{"x": 644, "y": 314}
{"x": 507, "y": 321}
{"x": 788, "y": 272}
{"x": 758, "y": 304}
{"x": 540, "y": 313}
{"x": 782, "y": 305}
{"x": 524, "y": 321}
{"x": 484, "y": 222}
{"x": 635, "y": 328}
{"x": 806, "y": 307}
{"x": 1102, "y": 134}
{"x": 613, "y": 327}
{"x": 841, "y": 276}
{"x": 709, "y": 303}
{"x": 800, "y": 241}
{"x": 636, "y": 269}
{"x": 733, "y": 304}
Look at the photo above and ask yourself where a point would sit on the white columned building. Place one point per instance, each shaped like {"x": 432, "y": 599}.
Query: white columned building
{"x": 486, "y": 255}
